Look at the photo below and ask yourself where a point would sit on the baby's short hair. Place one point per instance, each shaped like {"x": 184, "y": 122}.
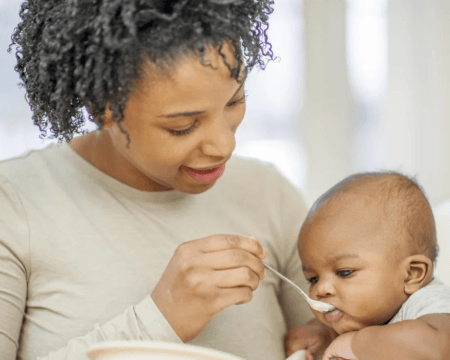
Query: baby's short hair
{"x": 404, "y": 203}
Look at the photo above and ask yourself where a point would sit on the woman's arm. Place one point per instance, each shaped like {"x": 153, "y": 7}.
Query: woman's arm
{"x": 12, "y": 301}
{"x": 13, "y": 270}
{"x": 141, "y": 322}
{"x": 203, "y": 277}
{"x": 427, "y": 337}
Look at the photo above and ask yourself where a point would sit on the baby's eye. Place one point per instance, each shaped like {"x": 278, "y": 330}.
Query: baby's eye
{"x": 344, "y": 273}
{"x": 313, "y": 280}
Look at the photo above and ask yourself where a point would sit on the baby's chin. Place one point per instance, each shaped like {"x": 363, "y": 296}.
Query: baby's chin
{"x": 342, "y": 329}
{"x": 344, "y": 325}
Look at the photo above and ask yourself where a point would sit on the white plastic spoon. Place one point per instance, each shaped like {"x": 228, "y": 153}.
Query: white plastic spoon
{"x": 316, "y": 305}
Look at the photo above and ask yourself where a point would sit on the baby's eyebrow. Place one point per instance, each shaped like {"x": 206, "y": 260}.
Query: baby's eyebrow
{"x": 304, "y": 268}
{"x": 336, "y": 258}
{"x": 345, "y": 256}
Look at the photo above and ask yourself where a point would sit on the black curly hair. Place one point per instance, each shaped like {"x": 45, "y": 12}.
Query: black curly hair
{"x": 73, "y": 54}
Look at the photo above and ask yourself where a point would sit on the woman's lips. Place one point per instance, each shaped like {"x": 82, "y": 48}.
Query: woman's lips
{"x": 334, "y": 315}
{"x": 206, "y": 176}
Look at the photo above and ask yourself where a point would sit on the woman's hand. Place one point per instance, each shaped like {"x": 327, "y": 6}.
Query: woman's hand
{"x": 340, "y": 348}
{"x": 204, "y": 277}
{"x": 314, "y": 337}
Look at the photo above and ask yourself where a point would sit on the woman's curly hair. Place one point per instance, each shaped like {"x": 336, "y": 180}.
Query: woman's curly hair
{"x": 73, "y": 54}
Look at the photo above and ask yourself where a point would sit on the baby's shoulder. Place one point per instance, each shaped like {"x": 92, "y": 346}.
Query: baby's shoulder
{"x": 433, "y": 298}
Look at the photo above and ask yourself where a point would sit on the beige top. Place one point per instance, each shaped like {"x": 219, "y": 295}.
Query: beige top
{"x": 80, "y": 254}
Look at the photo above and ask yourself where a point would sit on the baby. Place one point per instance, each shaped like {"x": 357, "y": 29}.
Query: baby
{"x": 368, "y": 246}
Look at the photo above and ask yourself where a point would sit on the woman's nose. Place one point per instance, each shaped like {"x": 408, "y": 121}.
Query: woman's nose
{"x": 219, "y": 140}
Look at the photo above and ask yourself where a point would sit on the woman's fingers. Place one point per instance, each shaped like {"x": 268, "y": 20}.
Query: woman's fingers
{"x": 226, "y": 242}
{"x": 238, "y": 277}
{"x": 234, "y": 296}
{"x": 234, "y": 258}
{"x": 204, "y": 277}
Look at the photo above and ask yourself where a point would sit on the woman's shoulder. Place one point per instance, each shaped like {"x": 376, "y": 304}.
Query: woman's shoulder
{"x": 256, "y": 172}
{"x": 34, "y": 169}
{"x": 245, "y": 167}
{"x": 26, "y": 162}
{"x": 249, "y": 178}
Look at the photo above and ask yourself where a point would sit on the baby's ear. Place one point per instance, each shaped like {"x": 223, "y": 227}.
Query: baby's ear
{"x": 419, "y": 272}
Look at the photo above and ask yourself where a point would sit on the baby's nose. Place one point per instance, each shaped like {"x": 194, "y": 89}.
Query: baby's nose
{"x": 324, "y": 288}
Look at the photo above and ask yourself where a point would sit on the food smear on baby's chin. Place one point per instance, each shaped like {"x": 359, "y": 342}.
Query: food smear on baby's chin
{"x": 322, "y": 307}
{"x": 334, "y": 315}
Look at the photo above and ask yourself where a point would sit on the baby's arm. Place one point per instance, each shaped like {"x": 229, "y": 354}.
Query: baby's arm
{"x": 427, "y": 337}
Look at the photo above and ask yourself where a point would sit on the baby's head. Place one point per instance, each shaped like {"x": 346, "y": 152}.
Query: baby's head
{"x": 366, "y": 245}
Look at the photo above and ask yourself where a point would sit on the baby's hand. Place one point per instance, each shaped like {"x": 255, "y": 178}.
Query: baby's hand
{"x": 314, "y": 337}
{"x": 340, "y": 348}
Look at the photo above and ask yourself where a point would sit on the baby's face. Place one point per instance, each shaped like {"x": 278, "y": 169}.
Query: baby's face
{"x": 348, "y": 264}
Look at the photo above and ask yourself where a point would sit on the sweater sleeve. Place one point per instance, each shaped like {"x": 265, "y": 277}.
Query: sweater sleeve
{"x": 141, "y": 322}
{"x": 13, "y": 270}
{"x": 293, "y": 210}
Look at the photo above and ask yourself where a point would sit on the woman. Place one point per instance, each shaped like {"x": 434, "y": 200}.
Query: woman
{"x": 135, "y": 231}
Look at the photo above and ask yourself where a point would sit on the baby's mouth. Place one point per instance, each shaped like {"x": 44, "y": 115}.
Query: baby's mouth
{"x": 334, "y": 315}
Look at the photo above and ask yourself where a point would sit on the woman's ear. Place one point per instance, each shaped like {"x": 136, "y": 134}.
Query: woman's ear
{"x": 107, "y": 116}
{"x": 419, "y": 273}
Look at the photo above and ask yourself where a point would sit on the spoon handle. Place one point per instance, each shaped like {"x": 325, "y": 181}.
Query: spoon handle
{"x": 288, "y": 281}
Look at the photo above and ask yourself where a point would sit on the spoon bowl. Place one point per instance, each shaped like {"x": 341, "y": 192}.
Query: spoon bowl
{"x": 316, "y": 305}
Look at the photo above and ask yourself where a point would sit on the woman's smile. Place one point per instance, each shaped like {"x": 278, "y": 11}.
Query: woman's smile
{"x": 207, "y": 175}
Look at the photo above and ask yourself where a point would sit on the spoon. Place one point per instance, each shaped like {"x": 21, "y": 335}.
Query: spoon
{"x": 316, "y": 305}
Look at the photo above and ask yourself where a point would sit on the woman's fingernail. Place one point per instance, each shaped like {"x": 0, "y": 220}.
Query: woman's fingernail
{"x": 264, "y": 250}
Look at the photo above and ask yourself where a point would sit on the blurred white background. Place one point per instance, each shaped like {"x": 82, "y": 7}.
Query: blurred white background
{"x": 361, "y": 85}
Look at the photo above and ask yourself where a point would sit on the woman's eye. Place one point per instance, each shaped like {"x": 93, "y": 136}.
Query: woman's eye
{"x": 344, "y": 273}
{"x": 313, "y": 280}
{"x": 184, "y": 132}
{"x": 238, "y": 101}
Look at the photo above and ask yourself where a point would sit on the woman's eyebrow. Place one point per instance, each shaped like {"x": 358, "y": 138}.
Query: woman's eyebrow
{"x": 190, "y": 113}
{"x": 193, "y": 113}
{"x": 240, "y": 87}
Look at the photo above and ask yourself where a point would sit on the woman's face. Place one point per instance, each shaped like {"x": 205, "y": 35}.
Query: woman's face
{"x": 180, "y": 126}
